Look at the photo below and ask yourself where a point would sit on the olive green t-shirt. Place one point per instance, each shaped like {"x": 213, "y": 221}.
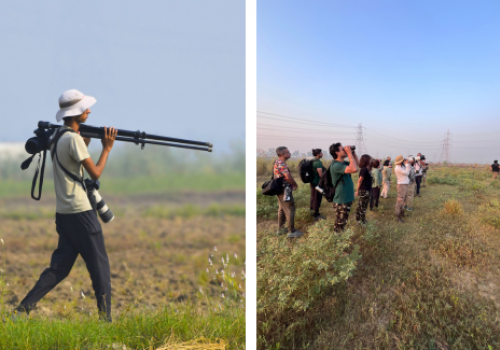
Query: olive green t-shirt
{"x": 344, "y": 193}
{"x": 70, "y": 196}
{"x": 317, "y": 165}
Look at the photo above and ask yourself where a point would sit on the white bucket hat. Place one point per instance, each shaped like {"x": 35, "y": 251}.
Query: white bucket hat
{"x": 72, "y": 103}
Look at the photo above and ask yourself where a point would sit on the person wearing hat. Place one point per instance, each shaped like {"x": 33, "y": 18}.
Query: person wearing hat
{"x": 79, "y": 230}
{"x": 402, "y": 175}
{"x": 495, "y": 169}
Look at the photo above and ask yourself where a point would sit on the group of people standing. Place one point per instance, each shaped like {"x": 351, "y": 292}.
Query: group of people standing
{"x": 374, "y": 182}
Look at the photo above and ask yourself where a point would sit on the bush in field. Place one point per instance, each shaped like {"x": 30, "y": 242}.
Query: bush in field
{"x": 453, "y": 207}
{"x": 490, "y": 213}
{"x": 473, "y": 185}
{"x": 293, "y": 278}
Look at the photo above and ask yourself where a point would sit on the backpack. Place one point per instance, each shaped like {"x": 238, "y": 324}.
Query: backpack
{"x": 306, "y": 170}
{"x": 327, "y": 186}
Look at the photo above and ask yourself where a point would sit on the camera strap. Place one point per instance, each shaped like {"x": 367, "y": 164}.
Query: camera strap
{"x": 54, "y": 141}
{"x": 35, "y": 177}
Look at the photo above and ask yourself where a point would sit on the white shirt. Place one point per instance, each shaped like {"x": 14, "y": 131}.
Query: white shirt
{"x": 402, "y": 175}
{"x": 418, "y": 169}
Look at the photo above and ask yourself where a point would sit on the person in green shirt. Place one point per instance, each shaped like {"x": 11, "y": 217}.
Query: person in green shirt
{"x": 316, "y": 197}
{"x": 341, "y": 178}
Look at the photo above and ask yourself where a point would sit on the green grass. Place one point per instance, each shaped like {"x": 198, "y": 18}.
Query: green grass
{"x": 430, "y": 283}
{"x": 195, "y": 182}
{"x": 189, "y": 211}
{"x": 146, "y": 329}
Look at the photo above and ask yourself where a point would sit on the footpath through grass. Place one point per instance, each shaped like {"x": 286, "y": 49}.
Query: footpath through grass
{"x": 430, "y": 283}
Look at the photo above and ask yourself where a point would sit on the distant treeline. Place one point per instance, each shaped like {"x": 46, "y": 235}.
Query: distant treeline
{"x": 130, "y": 161}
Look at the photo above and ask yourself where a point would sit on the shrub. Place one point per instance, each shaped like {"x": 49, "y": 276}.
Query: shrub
{"x": 453, "y": 207}
{"x": 293, "y": 278}
{"x": 491, "y": 213}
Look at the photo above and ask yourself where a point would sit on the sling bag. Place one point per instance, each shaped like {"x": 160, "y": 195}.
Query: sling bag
{"x": 274, "y": 186}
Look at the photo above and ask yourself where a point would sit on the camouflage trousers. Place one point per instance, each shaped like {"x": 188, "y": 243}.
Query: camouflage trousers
{"x": 341, "y": 215}
{"x": 400, "y": 201}
{"x": 364, "y": 199}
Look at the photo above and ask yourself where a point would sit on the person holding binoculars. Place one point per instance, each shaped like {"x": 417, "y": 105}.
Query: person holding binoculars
{"x": 402, "y": 175}
{"x": 80, "y": 232}
{"x": 341, "y": 171}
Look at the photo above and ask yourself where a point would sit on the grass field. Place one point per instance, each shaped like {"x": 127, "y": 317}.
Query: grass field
{"x": 430, "y": 283}
{"x": 165, "y": 290}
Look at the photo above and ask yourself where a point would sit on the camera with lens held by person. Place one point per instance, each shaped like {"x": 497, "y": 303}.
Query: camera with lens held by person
{"x": 287, "y": 195}
{"x": 97, "y": 202}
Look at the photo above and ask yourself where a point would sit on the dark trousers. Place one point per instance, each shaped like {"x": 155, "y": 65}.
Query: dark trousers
{"x": 418, "y": 181}
{"x": 79, "y": 233}
{"x": 316, "y": 198}
{"x": 375, "y": 197}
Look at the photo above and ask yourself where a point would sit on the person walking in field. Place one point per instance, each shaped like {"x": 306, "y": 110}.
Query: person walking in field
{"x": 377, "y": 183}
{"x": 286, "y": 204}
{"x": 364, "y": 187}
{"x": 402, "y": 175}
{"x": 495, "y": 169}
{"x": 386, "y": 179}
{"x": 412, "y": 184}
{"x": 318, "y": 170}
{"x": 79, "y": 231}
{"x": 341, "y": 179}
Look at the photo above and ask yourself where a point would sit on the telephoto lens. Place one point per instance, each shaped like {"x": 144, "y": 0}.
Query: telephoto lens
{"x": 103, "y": 210}
{"x": 287, "y": 197}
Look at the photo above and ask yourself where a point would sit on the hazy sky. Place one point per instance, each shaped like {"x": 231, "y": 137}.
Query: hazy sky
{"x": 407, "y": 70}
{"x": 175, "y": 68}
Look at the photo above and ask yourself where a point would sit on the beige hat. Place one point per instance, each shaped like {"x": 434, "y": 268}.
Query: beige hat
{"x": 72, "y": 103}
{"x": 399, "y": 159}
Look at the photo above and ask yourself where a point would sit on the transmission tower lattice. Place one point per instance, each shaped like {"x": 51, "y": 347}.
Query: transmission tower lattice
{"x": 445, "y": 152}
{"x": 360, "y": 142}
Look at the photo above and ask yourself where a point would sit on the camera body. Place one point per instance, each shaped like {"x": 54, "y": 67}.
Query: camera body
{"x": 40, "y": 142}
{"x": 97, "y": 202}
